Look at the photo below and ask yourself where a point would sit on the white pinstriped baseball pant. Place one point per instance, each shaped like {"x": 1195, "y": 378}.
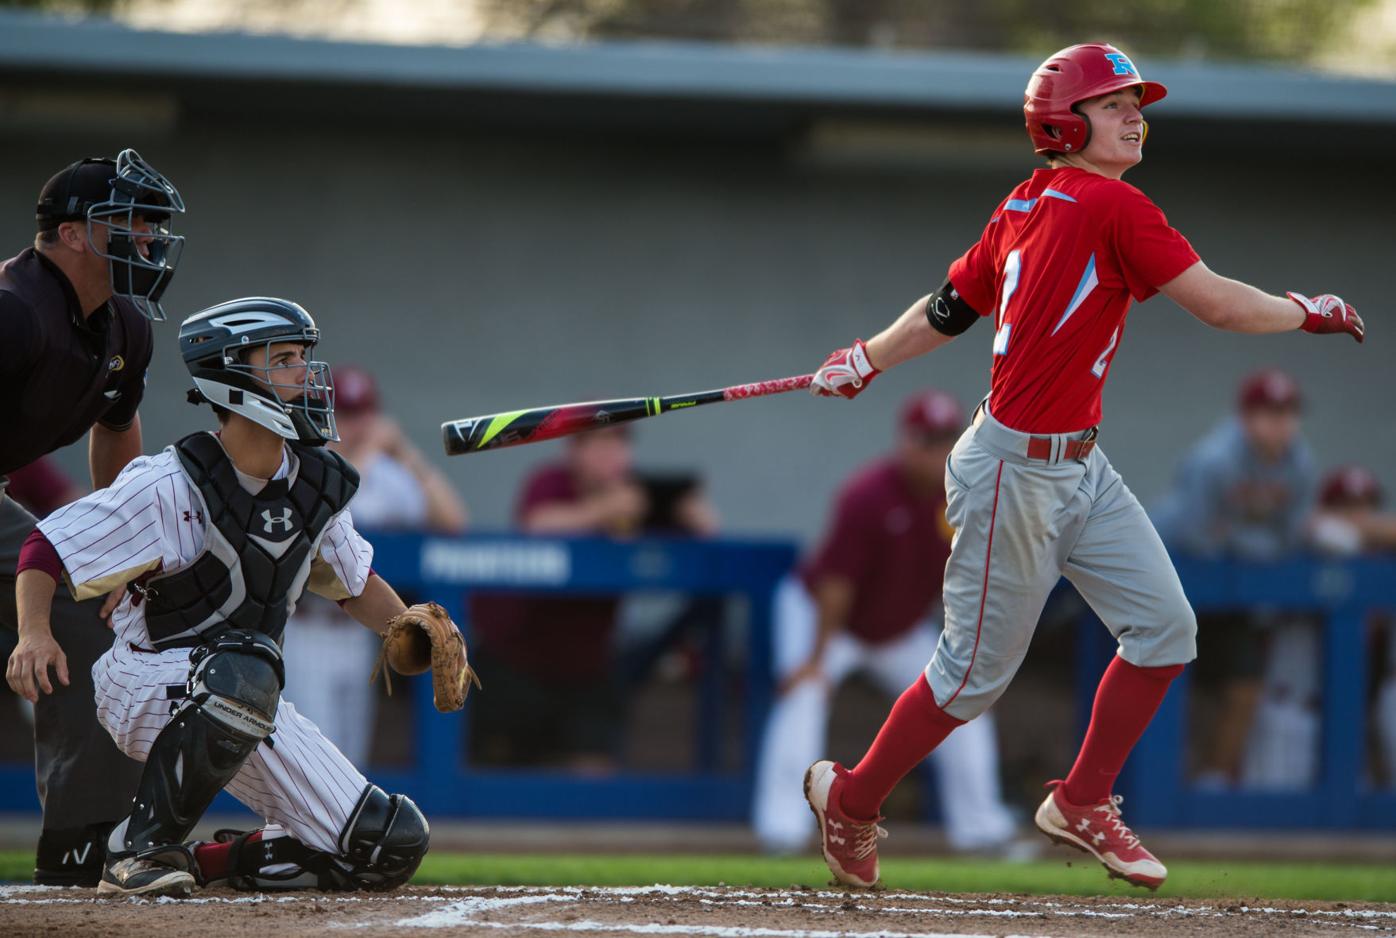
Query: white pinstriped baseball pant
{"x": 296, "y": 779}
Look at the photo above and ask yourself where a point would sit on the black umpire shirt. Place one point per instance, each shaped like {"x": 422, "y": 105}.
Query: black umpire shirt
{"x": 60, "y": 372}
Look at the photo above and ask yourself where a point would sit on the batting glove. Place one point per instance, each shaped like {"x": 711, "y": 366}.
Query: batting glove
{"x": 844, "y": 373}
{"x": 1327, "y": 313}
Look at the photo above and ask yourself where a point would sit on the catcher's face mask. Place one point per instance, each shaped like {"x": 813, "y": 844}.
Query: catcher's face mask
{"x": 141, "y": 248}
{"x": 302, "y": 386}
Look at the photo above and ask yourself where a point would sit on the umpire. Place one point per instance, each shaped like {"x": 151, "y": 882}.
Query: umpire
{"x": 75, "y": 342}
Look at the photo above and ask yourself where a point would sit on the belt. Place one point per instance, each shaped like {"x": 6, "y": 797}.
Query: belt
{"x": 1040, "y": 447}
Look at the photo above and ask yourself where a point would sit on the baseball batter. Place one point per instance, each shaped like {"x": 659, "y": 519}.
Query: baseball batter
{"x": 216, "y": 537}
{"x": 1029, "y": 493}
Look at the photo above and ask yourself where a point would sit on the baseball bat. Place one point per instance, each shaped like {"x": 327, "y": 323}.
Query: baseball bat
{"x": 494, "y": 431}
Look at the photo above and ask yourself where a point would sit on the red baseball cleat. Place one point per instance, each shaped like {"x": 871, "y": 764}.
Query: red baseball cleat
{"x": 1098, "y": 830}
{"x": 850, "y": 846}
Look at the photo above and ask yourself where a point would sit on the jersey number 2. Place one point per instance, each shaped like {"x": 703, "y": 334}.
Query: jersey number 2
{"x": 1012, "y": 269}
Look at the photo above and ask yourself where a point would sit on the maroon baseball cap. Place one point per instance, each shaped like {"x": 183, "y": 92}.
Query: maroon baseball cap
{"x": 932, "y": 413}
{"x": 1269, "y": 388}
{"x": 1349, "y": 485}
{"x": 355, "y": 391}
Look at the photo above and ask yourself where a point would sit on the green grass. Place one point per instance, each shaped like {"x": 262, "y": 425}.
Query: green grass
{"x": 1249, "y": 880}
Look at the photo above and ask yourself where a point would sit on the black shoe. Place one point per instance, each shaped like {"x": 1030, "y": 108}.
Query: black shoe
{"x": 72, "y": 856}
{"x": 155, "y": 871}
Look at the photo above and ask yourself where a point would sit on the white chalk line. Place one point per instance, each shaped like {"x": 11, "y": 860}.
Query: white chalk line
{"x": 806, "y": 900}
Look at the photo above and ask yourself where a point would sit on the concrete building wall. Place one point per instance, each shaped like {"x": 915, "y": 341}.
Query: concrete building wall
{"x": 476, "y": 272}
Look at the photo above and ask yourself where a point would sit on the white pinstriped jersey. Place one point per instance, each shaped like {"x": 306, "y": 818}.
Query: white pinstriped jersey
{"x": 152, "y": 518}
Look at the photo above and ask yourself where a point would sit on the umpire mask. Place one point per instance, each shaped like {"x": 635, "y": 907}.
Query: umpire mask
{"x": 134, "y": 204}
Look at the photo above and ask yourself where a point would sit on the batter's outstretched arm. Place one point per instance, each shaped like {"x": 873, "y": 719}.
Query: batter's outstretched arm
{"x": 1239, "y": 307}
{"x": 906, "y": 338}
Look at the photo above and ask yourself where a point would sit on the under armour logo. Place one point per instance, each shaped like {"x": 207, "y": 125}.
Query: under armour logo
{"x": 1083, "y": 825}
{"x": 269, "y": 520}
{"x": 1097, "y": 838}
{"x": 78, "y": 859}
{"x": 190, "y": 516}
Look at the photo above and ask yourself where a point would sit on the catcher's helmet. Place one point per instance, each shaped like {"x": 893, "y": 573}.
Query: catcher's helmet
{"x": 1070, "y": 77}
{"x": 215, "y": 343}
{"x": 113, "y": 194}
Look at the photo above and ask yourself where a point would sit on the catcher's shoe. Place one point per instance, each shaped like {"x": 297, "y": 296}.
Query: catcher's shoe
{"x": 850, "y": 845}
{"x": 1098, "y": 830}
{"x": 156, "y": 871}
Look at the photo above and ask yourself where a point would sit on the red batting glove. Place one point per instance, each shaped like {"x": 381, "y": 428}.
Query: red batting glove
{"x": 845, "y": 372}
{"x": 1328, "y": 313}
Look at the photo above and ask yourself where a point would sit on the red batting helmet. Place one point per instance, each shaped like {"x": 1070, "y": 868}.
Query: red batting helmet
{"x": 932, "y": 413}
{"x": 1269, "y": 388}
{"x": 1070, "y": 77}
{"x": 1350, "y": 485}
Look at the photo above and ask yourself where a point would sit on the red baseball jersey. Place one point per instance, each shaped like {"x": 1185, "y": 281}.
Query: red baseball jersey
{"x": 891, "y": 543}
{"x": 1056, "y": 268}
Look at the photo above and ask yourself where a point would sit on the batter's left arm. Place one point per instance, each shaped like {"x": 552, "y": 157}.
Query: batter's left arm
{"x": 1234, "y": 306}
{"x": 108, "y": 451}
{"x": 908, "y": 337}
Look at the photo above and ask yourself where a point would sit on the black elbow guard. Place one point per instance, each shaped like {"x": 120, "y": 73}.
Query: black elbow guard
{"x": 947, "y": 311}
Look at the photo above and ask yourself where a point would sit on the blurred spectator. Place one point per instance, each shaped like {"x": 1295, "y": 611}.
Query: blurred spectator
{"x": 1349, "y": 520}
{"x": 555, "y": 697}
{"x": 42, "y": 487}
{"x": 868, "y": 600}
{"x": 328, "y": 654}
{"x": 1245, "y": 491}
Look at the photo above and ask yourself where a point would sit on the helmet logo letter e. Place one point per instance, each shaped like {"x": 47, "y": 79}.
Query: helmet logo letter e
{"x": 1123, "y": 66}
{"x": 269, "y": 520}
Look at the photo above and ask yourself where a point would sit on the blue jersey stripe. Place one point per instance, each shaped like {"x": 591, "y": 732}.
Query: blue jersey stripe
{"x": 1083, "y": 290}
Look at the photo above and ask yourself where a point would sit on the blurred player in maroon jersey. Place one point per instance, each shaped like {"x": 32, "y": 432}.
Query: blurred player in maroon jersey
{"x": 42, "y": 487}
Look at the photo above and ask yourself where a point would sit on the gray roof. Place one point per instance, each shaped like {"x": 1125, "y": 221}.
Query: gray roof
{"x": 812, "y": 78}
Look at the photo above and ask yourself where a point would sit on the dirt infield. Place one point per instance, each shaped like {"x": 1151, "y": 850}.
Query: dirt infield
{"x": 718, "y": 912}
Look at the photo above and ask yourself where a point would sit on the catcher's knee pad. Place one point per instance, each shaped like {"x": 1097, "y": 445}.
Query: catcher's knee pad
{"x": 230, "y": 707}
{"x": 237, "y": 680}
{"x": 384, "y": 840}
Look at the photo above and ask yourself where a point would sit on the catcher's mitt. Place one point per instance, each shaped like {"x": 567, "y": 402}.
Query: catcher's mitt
{"x": 422, "y": 638}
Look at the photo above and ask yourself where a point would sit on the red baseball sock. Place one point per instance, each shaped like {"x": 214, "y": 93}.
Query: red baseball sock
{"x": 1125, "y": 702}
{"x": 915, "y": 726}
{"x": 214, "y": 859}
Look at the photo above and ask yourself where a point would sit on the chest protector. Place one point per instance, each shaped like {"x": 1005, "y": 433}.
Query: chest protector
{"x": 257, "y": 548}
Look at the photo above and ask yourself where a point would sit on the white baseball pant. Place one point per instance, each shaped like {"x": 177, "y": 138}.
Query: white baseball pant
{"x": 296, "y": 779}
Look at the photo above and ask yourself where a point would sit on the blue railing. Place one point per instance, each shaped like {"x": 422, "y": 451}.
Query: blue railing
{"x": 439, "y": 775}
{"x": 1343, "y": 594}
{"x": 441, "y": 779}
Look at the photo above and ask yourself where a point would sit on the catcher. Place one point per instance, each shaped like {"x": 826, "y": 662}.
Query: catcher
{"x": 215, "y": 539}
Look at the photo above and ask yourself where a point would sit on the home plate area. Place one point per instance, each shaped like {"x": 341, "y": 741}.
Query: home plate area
{"x": 718, "y": 912}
